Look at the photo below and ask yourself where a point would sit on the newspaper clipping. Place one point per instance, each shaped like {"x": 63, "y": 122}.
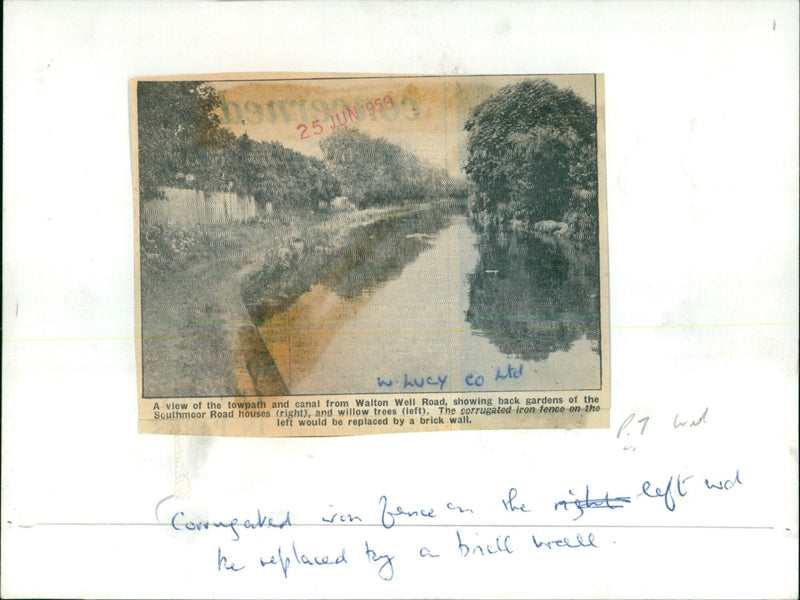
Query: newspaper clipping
{"x": 324, "y": 255}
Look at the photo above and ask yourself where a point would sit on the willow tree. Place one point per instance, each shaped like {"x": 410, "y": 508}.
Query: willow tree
{"x": 374, "y": 171}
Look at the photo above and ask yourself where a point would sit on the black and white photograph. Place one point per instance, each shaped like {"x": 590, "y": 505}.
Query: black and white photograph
{"x": 329, "y": 235}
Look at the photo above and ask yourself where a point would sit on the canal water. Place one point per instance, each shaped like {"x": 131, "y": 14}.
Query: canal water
{"x": 472, "y": 311}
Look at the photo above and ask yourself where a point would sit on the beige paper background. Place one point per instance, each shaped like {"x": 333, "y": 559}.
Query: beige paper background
{"x": 702, "y": 162}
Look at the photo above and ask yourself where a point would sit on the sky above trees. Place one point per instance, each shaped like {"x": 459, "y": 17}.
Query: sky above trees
{"x": 426, "y": 117}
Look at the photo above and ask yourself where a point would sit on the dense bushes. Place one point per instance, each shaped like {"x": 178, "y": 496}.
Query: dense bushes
{"x": 531, "y": 155}
{"x": 181, "y": 143}
{"x": 375, "y": 172}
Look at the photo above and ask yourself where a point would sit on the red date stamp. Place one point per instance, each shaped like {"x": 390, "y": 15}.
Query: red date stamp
{"x": 347, "y": 115}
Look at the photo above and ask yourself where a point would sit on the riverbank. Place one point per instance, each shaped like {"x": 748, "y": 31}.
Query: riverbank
{"x": 347, "y": 256}
{"x": 205, "y": 288}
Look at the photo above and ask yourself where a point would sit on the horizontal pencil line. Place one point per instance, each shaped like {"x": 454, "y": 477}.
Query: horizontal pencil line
{"x": 688, "y": 325}
{"x": 425, "y": 525}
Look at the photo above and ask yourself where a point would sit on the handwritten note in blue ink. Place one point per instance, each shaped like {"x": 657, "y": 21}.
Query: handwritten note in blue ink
{"x": 395, "y": 532}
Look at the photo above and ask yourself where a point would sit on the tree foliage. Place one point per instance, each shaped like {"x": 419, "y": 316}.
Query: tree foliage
{"x": 276, "y": 174}
{"x": 531, "y": 152}
{"x": 181, "y": 142}
{"x": 373, "y": 171}
{"x": 176, "y": 121}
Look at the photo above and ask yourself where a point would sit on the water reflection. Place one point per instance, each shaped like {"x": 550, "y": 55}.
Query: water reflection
{"x": 397, "y": 297}
{"x": 299, "y": 310}
{"x": 531, "y": 296}
{"x": 368, "y": 256}
{"x": 376, "y": 253}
